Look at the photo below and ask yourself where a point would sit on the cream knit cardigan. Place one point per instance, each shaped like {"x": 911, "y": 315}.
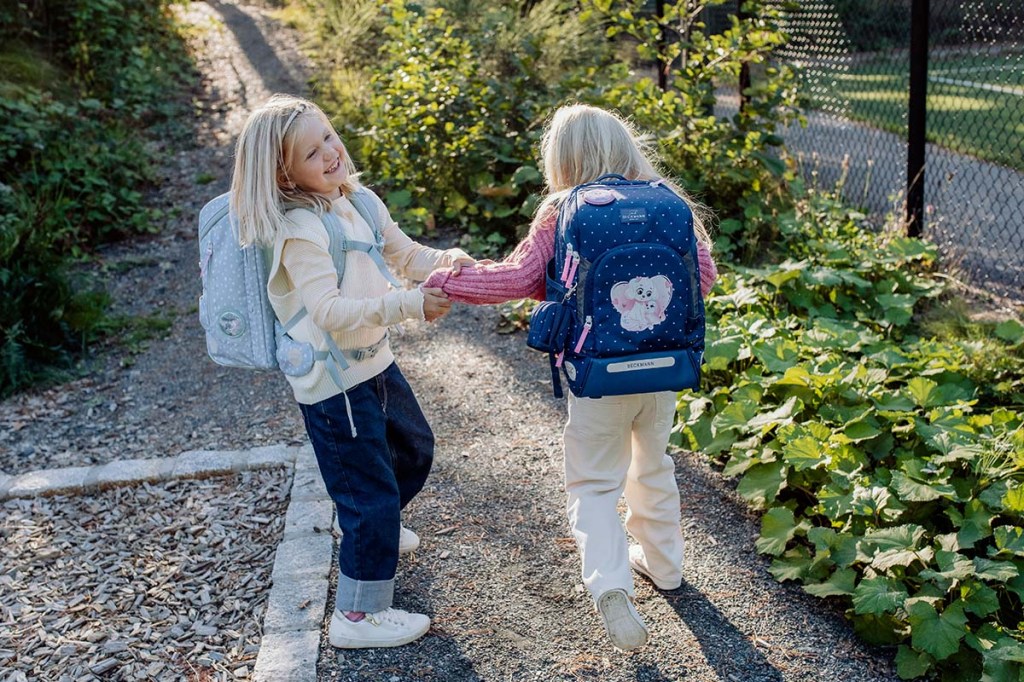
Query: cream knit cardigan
{"x": 358, "y": 313}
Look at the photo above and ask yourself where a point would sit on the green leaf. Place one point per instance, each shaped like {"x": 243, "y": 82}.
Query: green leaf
{"x": 975, "y": 524}
{"x": 883, "y": 561}
{"x": 1010, "y": 330}
{"x": 778, "y": 527}
{"x": 878, "y": 595}
{"x": 804, "y": 453}
{"x": 399, "y": 199}
{"x": 979, "y": 598}
{"x": 779, "y": 416}
{"x": 921, "y": 391}
{"x": 910, "y": 490}
{"x": 840, "y": 583}
{"x": 952, "y": 566}
{"x": 883, "y": 539}
{"x": 911, "y": 664}
{"x": 862, "y": 430}
{"x": 762, "y": 483}
{"x": 1013, "y": 500}
{"x": 736, "y": 415}
{"x": 935, "y": 633}
{"x": 876, "y": 501}
{"x": 525, "y": 174}
{"x": 1000, "y": 571}
{"x": 1010, "y": 540}
{"x": 884, "y": 629}
{"x": 793, "y": 565}
{"x": 781, "y": 276}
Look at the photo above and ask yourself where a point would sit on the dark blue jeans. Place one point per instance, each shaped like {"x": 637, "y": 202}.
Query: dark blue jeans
{"x": 370, "y": 477}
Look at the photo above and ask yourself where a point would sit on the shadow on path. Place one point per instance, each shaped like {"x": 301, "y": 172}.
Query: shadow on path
{"x": 727, "y": 650}
{"x": 274, "y": 74}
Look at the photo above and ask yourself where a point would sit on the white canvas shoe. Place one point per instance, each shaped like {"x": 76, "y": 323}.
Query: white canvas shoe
{"x": 639, "y": 563}
{"x": 387, "y": 628}
{"x": 625, "y": 627}
{"x": 407, "y": 540}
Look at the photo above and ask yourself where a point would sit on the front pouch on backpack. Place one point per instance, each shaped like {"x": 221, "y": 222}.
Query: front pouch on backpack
{"x": 550, "y": 325}
{"x": 673, "y": 370}
{"x": 295, "y": 358}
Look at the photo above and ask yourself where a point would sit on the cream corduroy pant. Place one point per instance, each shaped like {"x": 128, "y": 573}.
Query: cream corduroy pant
{"x": 614, "y": 446}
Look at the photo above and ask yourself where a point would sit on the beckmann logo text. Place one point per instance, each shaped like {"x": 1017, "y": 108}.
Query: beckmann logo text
{"x": 647, "y": 363}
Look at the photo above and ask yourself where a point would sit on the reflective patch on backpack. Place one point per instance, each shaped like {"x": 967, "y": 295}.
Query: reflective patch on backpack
{"x": 633, "y": 215}
{"x": 231, "y": 324}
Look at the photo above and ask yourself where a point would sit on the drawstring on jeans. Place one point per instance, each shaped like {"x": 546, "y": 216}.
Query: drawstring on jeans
{"x": 348, "y": 409}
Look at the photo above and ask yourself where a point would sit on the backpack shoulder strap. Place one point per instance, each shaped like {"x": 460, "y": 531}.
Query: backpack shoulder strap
{"x": 339, "y": 245}
{"x": 364, "y": 204}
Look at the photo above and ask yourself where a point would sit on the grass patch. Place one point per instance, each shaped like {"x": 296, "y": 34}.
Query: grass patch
{"x": 22, "y": 65}
{"x": 975, "y": 103}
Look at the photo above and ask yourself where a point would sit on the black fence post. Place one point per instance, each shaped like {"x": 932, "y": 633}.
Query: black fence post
{"x": 662, "y": 64}
{"x": 917, "y": 116}
{"x": 744, "y": 67}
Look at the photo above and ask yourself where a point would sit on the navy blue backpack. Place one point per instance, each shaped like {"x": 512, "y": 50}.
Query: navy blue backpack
{"x": 624, "y": 312}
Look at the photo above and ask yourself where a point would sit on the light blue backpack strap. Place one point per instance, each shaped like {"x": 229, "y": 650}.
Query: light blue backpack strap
{"x": 338, "y": 244}
{"x": 363, "y": 203}
{"x": 375, "y": 255}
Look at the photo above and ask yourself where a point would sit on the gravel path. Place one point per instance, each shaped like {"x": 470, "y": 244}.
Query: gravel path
{"x": 497, "y": 569}
{"x": 499, "y": 573}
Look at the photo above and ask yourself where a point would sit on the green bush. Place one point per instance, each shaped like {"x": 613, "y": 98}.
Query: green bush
{"x": 74, "y": 162}
{"x": 731, "y": 164}
{"x": 448, "y": 116}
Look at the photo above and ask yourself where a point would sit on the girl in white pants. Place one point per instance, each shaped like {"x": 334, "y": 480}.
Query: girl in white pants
{"x": 613, "y": 445}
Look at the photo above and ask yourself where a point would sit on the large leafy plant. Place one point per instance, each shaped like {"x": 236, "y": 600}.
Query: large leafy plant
{"x": 891, "y": 465}
{"x": 75, "y": 164}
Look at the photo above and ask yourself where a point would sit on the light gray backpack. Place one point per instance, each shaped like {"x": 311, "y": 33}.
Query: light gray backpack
{"x": 234, "y": 308}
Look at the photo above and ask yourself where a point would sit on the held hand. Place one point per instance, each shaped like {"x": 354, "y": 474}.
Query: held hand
{"x": 462, "y": 262}
{"x": 435, "y": 303}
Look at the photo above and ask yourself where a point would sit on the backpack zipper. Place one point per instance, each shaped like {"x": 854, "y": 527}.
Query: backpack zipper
{"x": 587, "y": 324}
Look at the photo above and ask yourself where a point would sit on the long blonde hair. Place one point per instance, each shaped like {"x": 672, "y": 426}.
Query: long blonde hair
{"x": 260, "y": 190}
{"x": 581, "y": 143}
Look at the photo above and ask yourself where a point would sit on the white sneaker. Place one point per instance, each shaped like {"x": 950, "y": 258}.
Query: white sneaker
{"x": 625, "y": 627}
{"x": 407, "y": 540}
{"x": 639, "y": 563}
{"x": 390, "y": 627}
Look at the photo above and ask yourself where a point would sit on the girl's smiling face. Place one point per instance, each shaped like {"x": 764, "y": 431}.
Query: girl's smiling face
{"x": 317, "y": 158}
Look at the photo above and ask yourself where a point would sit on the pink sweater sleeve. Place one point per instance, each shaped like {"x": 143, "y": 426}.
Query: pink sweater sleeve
{"x": 708, "y": 269}
{"x": 519, "y": 275}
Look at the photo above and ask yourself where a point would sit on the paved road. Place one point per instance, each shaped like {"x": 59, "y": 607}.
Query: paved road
{"x": 974, "y": 209}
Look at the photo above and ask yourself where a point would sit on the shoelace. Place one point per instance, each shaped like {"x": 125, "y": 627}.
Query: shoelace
{"x": 389, "y": 616}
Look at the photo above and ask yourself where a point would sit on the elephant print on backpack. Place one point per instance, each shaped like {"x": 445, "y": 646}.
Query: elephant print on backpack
{"x": 642, "y": 301}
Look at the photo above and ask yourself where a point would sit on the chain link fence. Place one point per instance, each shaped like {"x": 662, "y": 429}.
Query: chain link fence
{"x": 855, "y": 60}
{"x": 855, "y": 57}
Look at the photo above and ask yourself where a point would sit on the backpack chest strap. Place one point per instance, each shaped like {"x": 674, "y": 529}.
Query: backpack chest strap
{"x": 375, "y": 254}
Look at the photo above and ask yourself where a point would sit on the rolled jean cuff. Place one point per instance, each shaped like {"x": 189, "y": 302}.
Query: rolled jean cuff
{"x": 366, "y": 596}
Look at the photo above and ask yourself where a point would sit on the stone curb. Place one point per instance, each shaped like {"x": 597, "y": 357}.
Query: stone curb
{"x": 297, "y": 601}
{"x": 190, "y": 464}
